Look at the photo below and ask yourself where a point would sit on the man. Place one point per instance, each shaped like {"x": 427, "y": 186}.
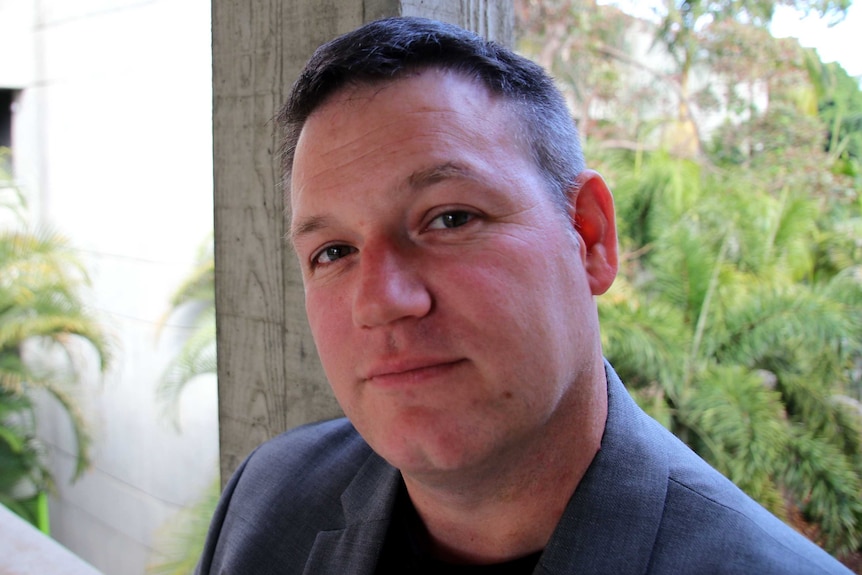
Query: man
{"x": 451, "y": 242}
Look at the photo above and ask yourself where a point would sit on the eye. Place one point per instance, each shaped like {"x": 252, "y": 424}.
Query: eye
{"x": 454, "y": 219}
{"x": 331, "y": 253}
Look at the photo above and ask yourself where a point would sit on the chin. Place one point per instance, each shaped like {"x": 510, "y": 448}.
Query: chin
{"x": 424, "y": 456}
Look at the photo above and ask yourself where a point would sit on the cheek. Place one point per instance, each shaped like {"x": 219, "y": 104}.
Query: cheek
{"x": 329, "y": 321}
{"x": 513, "y": 285}
{"x": 526, "y": 301}
{"x": 493, "y": 308}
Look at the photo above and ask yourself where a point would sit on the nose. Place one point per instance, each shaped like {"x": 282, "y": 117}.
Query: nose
{"x": 390, "y": 287}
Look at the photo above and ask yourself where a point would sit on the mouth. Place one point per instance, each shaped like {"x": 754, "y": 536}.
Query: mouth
{"x": 411, "y": 373}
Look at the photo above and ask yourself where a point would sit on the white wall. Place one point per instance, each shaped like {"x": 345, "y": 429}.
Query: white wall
{"x": 16, "y": 39}
{"x": 112, "y": 140}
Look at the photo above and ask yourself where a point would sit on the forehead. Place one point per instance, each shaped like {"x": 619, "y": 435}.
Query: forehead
{"x": 432, "y": 112}
{"x": 422, "y": 91}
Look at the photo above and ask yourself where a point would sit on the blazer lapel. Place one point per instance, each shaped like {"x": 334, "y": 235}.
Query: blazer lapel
{"x": 367, "y": 503}
{"x": 612, "y": 520}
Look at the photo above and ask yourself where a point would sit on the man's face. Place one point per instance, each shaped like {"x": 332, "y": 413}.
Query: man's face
{"x": 445, "y": 290}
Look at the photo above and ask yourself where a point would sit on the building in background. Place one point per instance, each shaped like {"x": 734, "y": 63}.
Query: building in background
{"x": 107, "y": 107}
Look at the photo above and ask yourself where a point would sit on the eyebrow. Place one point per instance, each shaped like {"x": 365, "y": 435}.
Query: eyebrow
{"x": 417, "y": 181}
{"x": 436, "y": 174}
{"x": 306, "y": 226}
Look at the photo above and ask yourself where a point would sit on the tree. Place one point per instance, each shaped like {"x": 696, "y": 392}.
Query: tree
{"x": 42, "y": 312}
{"x": 581, "y": 43}
{"x": 586, "y": 46}
{"x": 686, "y": 24}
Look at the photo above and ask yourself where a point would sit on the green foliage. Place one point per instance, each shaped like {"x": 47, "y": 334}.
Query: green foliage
{"x": 41, "y": 313}
{"x": 197, "y": 357}
{"x": 20, "y": 454}
{"x": 839, "y": 105}
{"x": 737, "y": 425}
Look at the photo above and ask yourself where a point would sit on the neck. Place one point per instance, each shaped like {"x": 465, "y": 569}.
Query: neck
{"x": 510, "y": 508}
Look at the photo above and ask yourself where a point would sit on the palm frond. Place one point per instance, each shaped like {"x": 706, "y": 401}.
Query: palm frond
{"x": 198, "y": 288}
{"x": 197, "y": 357}
{"x": 827, "y": 488}
{"x": 741, "y": 429}
{"x": 642, "y": 339}
{"x": 41, "y": 285}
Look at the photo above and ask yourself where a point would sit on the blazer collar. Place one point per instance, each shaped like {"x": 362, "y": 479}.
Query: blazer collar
{"x": 367, "y": 504}
{"x": 612, "y": 520}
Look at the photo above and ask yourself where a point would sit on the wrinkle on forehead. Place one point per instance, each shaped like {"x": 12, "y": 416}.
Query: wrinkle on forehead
{"x": 349, "y": 101}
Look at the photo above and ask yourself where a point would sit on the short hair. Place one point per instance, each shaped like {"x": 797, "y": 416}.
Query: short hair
{"x": 388, "y": 49}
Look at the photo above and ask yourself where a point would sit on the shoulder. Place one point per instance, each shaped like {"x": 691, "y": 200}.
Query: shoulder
{"x": 285, "y": 492}
{"x": 711, "y": 523}
{"x": 686, "y": 516}
{"x": 299, "y": 469}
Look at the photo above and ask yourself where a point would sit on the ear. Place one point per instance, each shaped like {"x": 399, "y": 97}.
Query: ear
{"x": 592, "y": 213}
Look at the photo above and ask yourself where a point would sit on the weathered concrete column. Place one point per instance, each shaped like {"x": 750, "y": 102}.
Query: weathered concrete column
{"x": 269, "y": 376}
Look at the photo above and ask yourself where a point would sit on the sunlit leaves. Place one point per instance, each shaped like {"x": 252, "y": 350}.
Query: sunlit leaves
{"x": 41, "y": 286}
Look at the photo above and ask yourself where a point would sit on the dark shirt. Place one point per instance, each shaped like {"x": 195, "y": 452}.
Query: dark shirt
{"x": 405, "y": 550}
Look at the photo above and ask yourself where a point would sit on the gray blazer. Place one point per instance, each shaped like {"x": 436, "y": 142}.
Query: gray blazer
{"x": 317, "y": 500}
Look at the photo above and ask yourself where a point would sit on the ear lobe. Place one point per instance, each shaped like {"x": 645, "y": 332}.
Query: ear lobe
{"x": 592, "y": 215}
